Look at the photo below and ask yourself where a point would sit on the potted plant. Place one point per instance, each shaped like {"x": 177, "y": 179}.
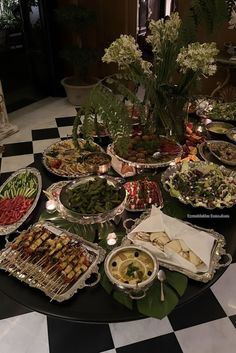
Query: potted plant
{"x": 75, "y": 19}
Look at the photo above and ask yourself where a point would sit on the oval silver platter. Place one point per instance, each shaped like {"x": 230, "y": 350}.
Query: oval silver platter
{"x": 207, "y": 156}
{"x": 173, "y": 169}
{"x": 147, "y": 165}
{"x": 71, "y": 175}
{"x": 36, "y": 273}
{"x": 216, "y": 253}
{"x": 8, "y": 229}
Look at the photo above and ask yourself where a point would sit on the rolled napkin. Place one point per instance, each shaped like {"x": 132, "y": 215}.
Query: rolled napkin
{"x": 174, "y": 242}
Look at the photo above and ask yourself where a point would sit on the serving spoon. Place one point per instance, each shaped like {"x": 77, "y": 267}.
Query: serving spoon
{"x": 162, "y": 277}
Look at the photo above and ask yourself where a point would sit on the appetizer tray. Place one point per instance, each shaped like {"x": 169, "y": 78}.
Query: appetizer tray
{"x": 64, "y": 160}
{"x": 19, "y": 195}
{"x": 224, "y": 151}
{"x": 53, "y": 260}
{"x": 140, "y": 153}
{"x": 231, "y": 134}
{"x": 216, "y": 253}
{"x": 142, "y": 194}
{"x": 206, "y": 155}
{"x": 201, "y": 184}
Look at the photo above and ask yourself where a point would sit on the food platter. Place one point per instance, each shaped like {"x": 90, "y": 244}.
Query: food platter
{"x": 217, "y": 251}
{"x": 218, "y": 128}
{"x": 53, "y": 260}
{"x": 206, "y": 155}
{"x": 231, "y": 134}
{"x": 64, "y": 160}
{"x": 93, "y": 199}
{"x": 224, "y": 151}
{"x": 19, "y": 195}
{"x": 166, "y": 150}
{"x": 201, "y": 184}
{"x": 142, "y": 194}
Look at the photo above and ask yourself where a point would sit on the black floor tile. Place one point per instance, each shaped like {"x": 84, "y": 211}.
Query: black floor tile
{"x": 44, "y": 134}
{"x": 65, "y": 121}
{"x": 70, "y": 337}
{"x": 17, "y": 149}
{"x": 162, "y": 344}
{"x": 203, "y": 309}
{"x": 4, "y": 176}
{"x": 233, "y": 319}
{"x": 9, "y": 308}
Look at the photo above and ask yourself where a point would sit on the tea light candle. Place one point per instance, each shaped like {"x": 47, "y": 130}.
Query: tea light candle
{"x": 51, "y": 206}
{"x": 111, "y": 239}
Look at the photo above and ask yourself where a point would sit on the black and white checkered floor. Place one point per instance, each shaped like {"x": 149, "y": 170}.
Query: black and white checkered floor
{"x": 206, "y": 325}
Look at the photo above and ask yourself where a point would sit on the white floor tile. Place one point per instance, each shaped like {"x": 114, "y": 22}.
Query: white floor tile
{"x": 129, "y": 332}
{"x": 110, "y": 351}
{"x": 21, "y": 136}
{"x": 214, "y": 337}
{"x": 10, "y": 164}
{"x": 40, "y": 145}
{"x": 24, "y": 334}
{"x": 65, "y": 131}
{"x": 225, "y": 290}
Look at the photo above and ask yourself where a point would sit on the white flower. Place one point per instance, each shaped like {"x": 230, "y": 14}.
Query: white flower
{"x": 198, "y": 58}
{"x": 232, "y": 21}
{"x": 163, "y": 31}
{"x": 125, "y": 51}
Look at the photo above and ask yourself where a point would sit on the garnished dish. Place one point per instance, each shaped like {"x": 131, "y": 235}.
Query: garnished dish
{"x": 98, "y": 162}
{"x": 201, "y": 184}
{"x": 224, "y": 151}
{"x": 218, "y": 127}
{"x": 131, "y": 268}
{"x": 142, "y": 194}
{"x": 52, "y": 260}
{"x": 231, "y": 134}
{"x": 92, "y": 199}
{"x": 63, "y": 159}
{"x": 205, "y": 153}
{"x": 150, "y": 151}
{"x": 223, "y": 111}
{"x": 18, "y": 197}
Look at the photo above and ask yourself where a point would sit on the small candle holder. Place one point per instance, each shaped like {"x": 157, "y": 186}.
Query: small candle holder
{"x": 111, "y": 239}
{"x": 51, "y": 206}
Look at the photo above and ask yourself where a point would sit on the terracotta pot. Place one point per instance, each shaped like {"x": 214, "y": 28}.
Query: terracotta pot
{"x": 76, "y": 93}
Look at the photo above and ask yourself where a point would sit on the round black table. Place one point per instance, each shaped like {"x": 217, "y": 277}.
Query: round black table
{"x": 94, "y": 305}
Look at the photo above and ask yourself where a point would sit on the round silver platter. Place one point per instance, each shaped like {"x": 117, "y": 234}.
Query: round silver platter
{"x": 71, "y": 175}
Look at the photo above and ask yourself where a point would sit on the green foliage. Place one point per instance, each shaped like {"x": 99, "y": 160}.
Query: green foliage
{"x": 209, "y": 13}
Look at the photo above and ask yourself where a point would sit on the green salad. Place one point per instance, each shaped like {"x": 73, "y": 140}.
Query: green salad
{"x": 203, "y": 185}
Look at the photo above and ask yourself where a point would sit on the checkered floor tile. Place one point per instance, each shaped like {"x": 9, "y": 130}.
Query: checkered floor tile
{"x": 205, "y": 325}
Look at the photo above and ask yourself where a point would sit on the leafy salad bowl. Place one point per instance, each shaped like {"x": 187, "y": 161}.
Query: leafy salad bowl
{"x": 201, "y": 184}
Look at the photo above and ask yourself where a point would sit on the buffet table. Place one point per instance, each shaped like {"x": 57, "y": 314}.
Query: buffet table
{"x": 94, "y": 305}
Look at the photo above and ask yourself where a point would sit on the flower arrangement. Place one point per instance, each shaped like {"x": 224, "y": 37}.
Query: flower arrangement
{"x": 171, "y": 75}
{"x": 178, "y": 62}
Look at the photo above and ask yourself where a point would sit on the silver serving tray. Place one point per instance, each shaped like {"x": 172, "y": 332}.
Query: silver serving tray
{"x": 8, "y": 229}
{"x": 222, "y": 160}
{"x": 146, "y": 165}
{"x": 173, "y": 169}
{"x": 207, "y": 156}
{"x": 231, "y": 134}
{"x": 81, "y": 218}
{"x": 217, "y": 251}
{"x": 72, "y": 175}
{"x": 39, "y": 278}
